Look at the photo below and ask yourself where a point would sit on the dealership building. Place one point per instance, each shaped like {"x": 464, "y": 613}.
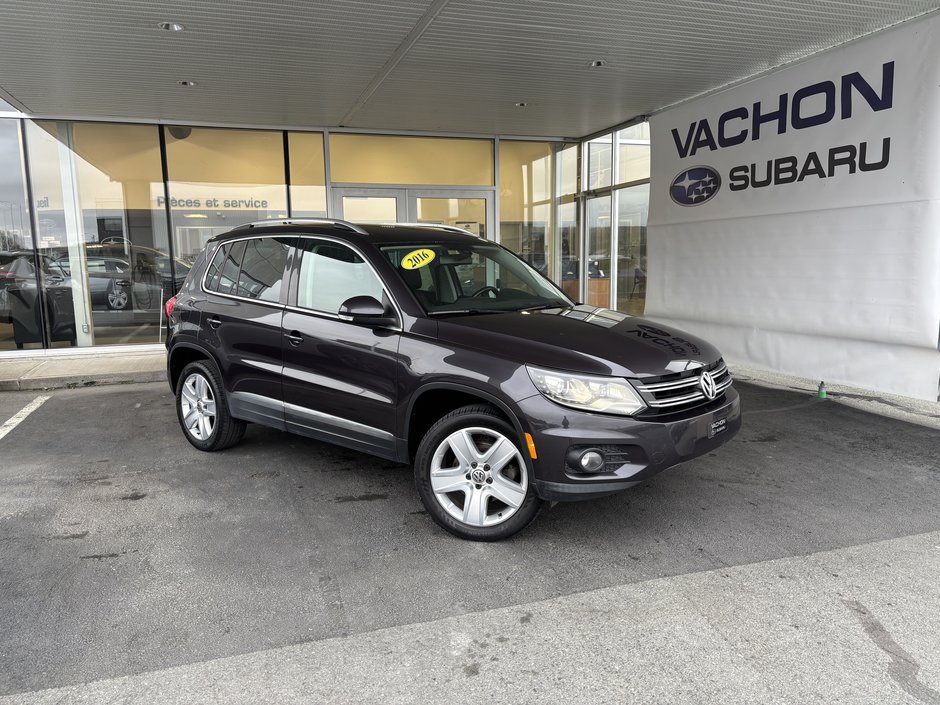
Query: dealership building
{"x": 759, "y": 175}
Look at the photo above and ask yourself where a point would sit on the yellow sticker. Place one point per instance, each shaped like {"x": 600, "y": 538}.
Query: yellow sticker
{"x": 417, "y": 259}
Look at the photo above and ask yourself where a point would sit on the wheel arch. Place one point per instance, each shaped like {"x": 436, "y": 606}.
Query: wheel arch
{"x": 436, "y": 399}
{"x": 181, "y": 355}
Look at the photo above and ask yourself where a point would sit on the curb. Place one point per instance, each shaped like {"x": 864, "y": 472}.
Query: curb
{"x": 79, "y": 381}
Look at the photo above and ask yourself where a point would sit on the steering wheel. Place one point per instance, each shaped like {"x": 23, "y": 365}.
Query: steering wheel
{"x": 484, "y": 289}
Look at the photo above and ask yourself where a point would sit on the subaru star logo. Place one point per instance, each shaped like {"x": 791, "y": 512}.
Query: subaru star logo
{"x": 694, "y": 186}
{"x": 709, "y": 388}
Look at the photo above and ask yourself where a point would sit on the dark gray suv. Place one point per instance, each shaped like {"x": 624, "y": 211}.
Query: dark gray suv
{"x": 429, "y": 346}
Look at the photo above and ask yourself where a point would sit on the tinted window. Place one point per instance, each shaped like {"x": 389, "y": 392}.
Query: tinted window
{"x": 223, "y": 271}
{"x": 262, "y": 269}
{"x": 330, "y": 274}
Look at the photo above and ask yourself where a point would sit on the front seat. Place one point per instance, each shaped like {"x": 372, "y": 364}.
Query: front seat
{"x": 428, "y": 297}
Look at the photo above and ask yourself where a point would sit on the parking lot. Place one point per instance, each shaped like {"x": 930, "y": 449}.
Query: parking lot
{"x": 800, "y": 563}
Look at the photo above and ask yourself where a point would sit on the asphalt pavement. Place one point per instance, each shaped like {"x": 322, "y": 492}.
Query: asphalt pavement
{"x": 800, "y": 563}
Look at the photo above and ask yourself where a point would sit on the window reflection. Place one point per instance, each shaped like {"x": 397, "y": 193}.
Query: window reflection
{"x": 633, "y": 153}
{"x": 220, "y": 179}
{"x": 525, "y": 190}
{"x": 307, "y": 175}
{"x": 18, "y": 314}
{"x": 598, "y": 262}
{"x": 632, "y": 212}
{"x": 104, "y": 266}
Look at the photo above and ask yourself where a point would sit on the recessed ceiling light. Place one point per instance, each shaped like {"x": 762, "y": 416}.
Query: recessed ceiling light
{"x": 188, "y": 84}
{"x": 522, "y": 105}
{"x": 598, "y": 64}
{"x": 195, "y": 215}
{"x": 171, "y": 26}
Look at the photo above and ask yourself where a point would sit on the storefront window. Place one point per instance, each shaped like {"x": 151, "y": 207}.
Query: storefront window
{"x": 20, "y": 317}
{"x": 525, "y": 200}
{"x": 220, "y": 179}
{"x": 599, "y": 163}
{"x": 632, "y": 212}
{"x": 633, "y": 153}
{"x": 307, "y": 175}
{"x": 383, "y": 159}
{"x": 598, "y": 257}
{"x": 104, "y": 262}
{"x": 567, "y": 272}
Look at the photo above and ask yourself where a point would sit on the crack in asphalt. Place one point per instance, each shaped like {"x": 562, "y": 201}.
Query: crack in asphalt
{"x": 903, "y": 668}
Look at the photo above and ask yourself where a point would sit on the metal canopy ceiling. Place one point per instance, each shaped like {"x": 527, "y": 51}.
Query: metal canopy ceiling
{"x": 428, "y": 65}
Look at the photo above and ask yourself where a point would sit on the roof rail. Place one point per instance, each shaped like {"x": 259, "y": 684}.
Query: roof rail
{"x": 439, "y": 226}
{"x": 305, "y": 221}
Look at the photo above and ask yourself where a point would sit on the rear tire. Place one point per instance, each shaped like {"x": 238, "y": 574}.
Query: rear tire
{"x": 473, "y": 478}
{"x": 202, "y": 408}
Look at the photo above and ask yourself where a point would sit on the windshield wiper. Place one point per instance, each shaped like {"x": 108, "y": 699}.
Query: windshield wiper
{"x": 542, "y": 307}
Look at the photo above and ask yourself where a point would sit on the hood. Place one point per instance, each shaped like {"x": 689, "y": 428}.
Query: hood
{"x": 581, "y": 339}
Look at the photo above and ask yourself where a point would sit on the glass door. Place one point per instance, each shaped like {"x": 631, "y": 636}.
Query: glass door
{"x": 469, "y": 209}
{"x": 370, "y": 205}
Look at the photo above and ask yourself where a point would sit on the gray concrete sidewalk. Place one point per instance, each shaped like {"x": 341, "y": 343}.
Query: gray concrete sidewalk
{"x": 80, "y": 369}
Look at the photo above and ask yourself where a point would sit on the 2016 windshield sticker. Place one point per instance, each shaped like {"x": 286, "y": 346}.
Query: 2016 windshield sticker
{"x": 417, "y": 259}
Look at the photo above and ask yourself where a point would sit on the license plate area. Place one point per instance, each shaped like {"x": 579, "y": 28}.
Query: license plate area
{"x": 716, "y": 426}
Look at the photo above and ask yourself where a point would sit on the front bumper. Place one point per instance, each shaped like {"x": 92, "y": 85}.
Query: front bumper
{"x": 640, "y": 447}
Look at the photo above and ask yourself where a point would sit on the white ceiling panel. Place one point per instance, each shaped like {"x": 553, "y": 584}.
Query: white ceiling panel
{"x": 430, "y": 65}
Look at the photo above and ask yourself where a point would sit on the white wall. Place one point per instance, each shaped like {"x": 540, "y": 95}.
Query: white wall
{"x": 835, "y": 278}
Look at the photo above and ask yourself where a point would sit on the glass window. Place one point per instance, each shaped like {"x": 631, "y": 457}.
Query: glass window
{"x": 307, "y": 175}
{"x": 262, "y": 268}
{"x": 98, "y": 219}
{"x": 632, "y": 213}
{"x": 20, "y": 317}
{"x": 525, "y": 200}
{"x": 598, "y": 235}
{"x": 568, "y": 273}
{"x": 223, "y": 271}
{"x": 471, "y": 278}
{"x": 467, "y": 213}
{"x": 633, "y": 153}
{"x": 220, "y": 179}
{"x": 330, "y": 274}
{"x": 599, "y": 162}
{"x": 384, "y": 159}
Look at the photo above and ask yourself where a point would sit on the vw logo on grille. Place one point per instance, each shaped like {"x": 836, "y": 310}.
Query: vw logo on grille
{"x": 478, "y": 476}
{"x": 709, "y": 388}
{"x": 694, "y": 186}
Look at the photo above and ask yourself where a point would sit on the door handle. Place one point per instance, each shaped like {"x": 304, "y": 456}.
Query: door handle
{"x": 214, "y": 322}
{"x": 295, "y": 338}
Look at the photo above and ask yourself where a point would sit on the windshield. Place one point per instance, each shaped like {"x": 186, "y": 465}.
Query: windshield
{"x": 449, "y": 279}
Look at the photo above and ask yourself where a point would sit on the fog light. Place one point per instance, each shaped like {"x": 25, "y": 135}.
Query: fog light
{"x": 591, "y": 461}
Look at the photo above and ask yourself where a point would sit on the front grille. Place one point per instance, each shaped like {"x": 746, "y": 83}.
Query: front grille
{"x": 681, "y": 391}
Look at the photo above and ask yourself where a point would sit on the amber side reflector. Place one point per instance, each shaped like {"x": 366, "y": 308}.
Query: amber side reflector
{"x": 529, "y": 442}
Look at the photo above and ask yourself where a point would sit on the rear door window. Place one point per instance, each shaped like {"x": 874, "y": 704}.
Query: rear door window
{"x": 262, "y": 269}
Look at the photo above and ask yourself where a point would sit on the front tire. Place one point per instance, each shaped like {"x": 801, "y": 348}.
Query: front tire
{"x": 472, "y": 477}
{"x": 202, "y": 409}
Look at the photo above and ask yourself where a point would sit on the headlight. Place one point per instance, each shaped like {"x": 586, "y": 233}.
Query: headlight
{"x": 607, "y": 395}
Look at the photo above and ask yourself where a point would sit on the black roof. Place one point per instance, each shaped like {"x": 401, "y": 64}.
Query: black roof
{"x": 373, "y": 233}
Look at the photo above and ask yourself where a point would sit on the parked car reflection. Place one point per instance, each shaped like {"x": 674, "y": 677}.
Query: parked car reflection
{"x": 126, "y": 277}
{"x": 25, "y": 299}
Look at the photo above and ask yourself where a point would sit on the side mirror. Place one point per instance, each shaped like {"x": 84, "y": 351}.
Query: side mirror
{"x": 365, "y": 311}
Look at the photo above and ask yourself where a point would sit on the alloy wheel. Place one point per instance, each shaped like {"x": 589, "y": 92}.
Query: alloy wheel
{"x": 478, "y": 476}
{"x": 198, "y": 406}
